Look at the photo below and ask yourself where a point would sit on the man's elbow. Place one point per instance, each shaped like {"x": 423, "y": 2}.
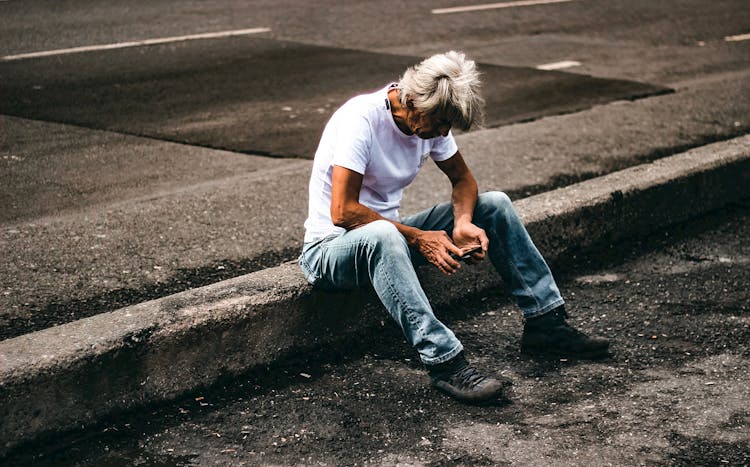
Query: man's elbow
{"x": 341, "y": 216}
{"x": 340, "y": 222}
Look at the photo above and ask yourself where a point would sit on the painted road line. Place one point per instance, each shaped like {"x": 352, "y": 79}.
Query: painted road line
{"x": 558, "y": 65}
{"x": 738, "y": 38}
{"x": 122, "y": 45}
{"x": 493, "y": 6}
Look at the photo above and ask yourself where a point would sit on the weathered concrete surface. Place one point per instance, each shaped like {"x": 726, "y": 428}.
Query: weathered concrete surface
{"x": 166, "y": 230}
{"x": 52, "y": 170}
{"x": 629, "y": 202}
{"x": 243, "y": 83}
{"x": 674, "y": 305}
{"x": 72, "y": 374}
{"x": 529, "y": 158}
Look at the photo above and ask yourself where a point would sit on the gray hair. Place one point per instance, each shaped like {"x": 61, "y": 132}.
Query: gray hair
{"x": 445, "y": 82}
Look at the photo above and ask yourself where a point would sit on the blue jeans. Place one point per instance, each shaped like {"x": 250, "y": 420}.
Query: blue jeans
{"x": 378, "y": 254}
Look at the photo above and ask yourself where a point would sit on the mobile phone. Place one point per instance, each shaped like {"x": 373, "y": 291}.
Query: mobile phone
{"x": 468, "y": 254}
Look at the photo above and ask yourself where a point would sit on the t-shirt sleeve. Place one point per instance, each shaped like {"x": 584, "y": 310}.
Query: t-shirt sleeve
{"x": 353, "y": 139}
{"x": 443, "y": 147}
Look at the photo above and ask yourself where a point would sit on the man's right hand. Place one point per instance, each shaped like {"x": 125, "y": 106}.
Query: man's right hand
{"x": 436, "y": 246}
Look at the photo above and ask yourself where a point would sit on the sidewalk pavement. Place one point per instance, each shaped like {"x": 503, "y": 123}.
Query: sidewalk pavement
{"x": 71, "y": 375}
{"x": 188, "y": 215}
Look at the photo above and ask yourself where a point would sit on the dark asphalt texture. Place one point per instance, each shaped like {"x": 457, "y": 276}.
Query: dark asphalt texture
{"x": 672, "y": 303}
{"x": 258, "y": 96}
{"x": 93, "y": 220}
{"x": 91, "y": 226}
{"x": 366, "y": 24}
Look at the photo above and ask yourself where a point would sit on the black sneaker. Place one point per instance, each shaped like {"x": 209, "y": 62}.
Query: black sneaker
{"x": 464, "y": 382}
{"x": 551, "y": 334}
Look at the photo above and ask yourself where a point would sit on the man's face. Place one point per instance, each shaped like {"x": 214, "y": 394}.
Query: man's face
{"x": 428, "y": 125}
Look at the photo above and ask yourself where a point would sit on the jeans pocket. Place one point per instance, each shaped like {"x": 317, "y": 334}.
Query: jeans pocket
{"x": 307, "y": 271}
{"x": 309, "y": 260}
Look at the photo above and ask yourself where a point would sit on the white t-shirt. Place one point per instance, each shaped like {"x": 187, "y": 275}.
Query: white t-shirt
{"x": 362, "y": 136}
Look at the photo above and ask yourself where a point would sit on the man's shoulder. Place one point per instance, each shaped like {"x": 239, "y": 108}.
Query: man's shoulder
{"x": 366, "y": 105}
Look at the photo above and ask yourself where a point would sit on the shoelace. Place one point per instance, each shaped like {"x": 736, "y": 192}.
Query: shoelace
{"x": 567, "y": 326}
{"x": 468, "y": 377}
{"x": 572, "y": 330}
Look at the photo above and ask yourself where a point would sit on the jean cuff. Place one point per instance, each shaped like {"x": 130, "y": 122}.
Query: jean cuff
{"x": 443, "y": 358}
{"x": 544, "y": 310}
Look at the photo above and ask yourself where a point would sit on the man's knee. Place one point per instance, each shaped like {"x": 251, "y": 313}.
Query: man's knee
{"x": 497, "y": 201}
{"x": 385, "y": 235}
{"x": 495, "y": 211}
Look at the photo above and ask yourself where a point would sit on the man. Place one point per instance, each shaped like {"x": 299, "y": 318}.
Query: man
{"x": 370, "y": 150}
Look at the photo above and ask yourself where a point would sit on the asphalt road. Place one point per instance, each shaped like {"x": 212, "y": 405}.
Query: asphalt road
{"x": 258, "y": 96}
{"x": 94, "y": 219}
{"x": 675, "y": 391}
{"x": 44, "y": 25}
{"x": 121, "y": 181}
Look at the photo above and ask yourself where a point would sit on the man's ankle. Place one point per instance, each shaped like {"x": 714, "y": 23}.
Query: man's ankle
{"x": 551, "y": 333}
{"x": 457, "y": 378}
{"x": 447, "y": 367}
{"x": 551, "y": 318}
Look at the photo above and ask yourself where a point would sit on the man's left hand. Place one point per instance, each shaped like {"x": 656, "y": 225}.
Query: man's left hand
{"x": 468, "y": 236}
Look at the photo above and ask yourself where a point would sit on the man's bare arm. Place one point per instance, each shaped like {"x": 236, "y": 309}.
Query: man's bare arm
{"x": 464, "y": 199}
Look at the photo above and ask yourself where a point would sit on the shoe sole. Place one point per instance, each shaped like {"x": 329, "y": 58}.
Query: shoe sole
{"x": 490, "y": 395}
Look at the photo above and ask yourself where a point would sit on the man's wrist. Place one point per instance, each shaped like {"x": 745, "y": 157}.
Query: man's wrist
{"x": 462, "y": 221}
{"x": 411, "y": 234}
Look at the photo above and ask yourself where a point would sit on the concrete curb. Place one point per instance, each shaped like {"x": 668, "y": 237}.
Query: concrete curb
{"x": 71, "y": 375}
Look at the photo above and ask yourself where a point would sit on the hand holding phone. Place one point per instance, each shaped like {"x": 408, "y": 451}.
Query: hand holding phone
{"x": 468, "y": 254}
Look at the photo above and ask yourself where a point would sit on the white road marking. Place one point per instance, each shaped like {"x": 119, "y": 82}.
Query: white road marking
{"x": 492, "y": 6}
{"x": 738, "y": 38}
{"x": 122, "y": 45}
{"x": 558, "y": 65}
